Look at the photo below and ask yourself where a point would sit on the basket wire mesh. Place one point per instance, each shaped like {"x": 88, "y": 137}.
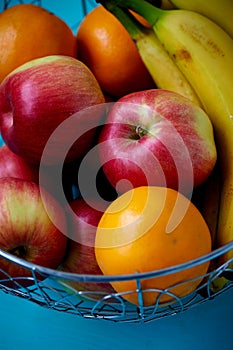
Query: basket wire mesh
{"x": 52, "y": 288}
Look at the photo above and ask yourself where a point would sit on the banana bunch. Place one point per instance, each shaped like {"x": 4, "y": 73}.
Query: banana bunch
{"x": 190, "y": 50}
{"x": 161, "y": 66}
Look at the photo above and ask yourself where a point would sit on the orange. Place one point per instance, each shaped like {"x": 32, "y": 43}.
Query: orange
{"x": 107, "y": 49}
{"x": 28, "y": 31}
{"x": 148, "y": 229}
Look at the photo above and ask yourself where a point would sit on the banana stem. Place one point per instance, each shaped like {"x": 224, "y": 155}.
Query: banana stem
{"x": 150, "y": 12}
{"x": 133, "y": 27}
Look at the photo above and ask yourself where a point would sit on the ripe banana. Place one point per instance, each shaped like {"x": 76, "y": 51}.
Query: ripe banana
{"x": 162, "y": 68}
{"x": 220, "y": 11}
{"x": 204, "y": 53}
{"x": 210, "y": 197}
{"x": 208, "y": 204}
{"x": 160, "y": 65}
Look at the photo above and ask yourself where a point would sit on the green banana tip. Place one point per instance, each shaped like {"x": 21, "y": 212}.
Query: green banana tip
{"x": 146, "y": 9}
{"x": 132, "y": 25}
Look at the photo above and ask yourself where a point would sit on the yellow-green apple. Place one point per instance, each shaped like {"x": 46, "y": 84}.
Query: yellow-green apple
{"x": 37, "y": 97}
{"x": 80, "y": 258}
{"x": 11, "y": 165}
{"x": 28, "y": 230}
{"x": 157, "y": 137}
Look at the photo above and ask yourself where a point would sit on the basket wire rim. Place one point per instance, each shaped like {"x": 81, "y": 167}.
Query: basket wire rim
{"x": 122, "y": 277}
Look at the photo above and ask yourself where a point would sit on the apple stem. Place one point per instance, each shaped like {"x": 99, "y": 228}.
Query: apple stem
{"x": 140, "y": 132}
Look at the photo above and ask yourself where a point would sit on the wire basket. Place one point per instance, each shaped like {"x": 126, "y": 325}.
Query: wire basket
{"x": 54, "y": 289}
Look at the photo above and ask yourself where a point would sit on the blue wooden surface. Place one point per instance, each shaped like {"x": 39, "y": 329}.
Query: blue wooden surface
{"x": 25, "y": 325}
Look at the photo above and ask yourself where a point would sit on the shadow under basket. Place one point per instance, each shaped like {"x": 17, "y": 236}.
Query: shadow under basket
{"x": 57, "y": 290}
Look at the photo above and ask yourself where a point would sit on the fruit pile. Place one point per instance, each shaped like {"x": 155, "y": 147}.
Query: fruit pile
{"x": 117, "y": 155}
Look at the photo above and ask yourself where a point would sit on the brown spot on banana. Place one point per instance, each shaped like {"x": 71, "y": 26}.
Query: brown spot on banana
{"x": 182, "y": 54}
{"x": 203, "y": 40}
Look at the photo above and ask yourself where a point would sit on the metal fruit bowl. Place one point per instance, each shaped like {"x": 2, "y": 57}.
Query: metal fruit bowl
{"x": 53, "y": 289}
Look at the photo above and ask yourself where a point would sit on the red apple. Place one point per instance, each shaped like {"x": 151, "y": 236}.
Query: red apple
{"x": 80, "y": 258}
{"x": 157, "y": 137}
{"x": 37, "y": 97}
{"x": 27, "y": 230}
{"x": 11, "y": 165}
